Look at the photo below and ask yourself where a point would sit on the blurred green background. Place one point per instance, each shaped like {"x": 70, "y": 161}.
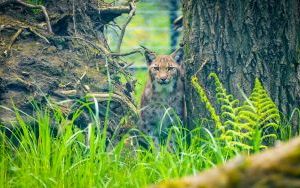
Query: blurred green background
{"x": 151, "y": 27}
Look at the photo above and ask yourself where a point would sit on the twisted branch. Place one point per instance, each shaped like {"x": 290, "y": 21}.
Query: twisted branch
{"x": 131, "y": 14}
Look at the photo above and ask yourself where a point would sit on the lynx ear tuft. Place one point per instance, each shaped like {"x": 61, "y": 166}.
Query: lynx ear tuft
{"x": 177, "y": 55}
{"x": 149, "y": 55}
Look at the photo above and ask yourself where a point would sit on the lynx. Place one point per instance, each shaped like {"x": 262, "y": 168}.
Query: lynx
{"x": 162, "y": 103}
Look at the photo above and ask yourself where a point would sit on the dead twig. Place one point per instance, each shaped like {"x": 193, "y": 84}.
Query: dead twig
{"x": 202, "y": 66}
{"x": 38, "y": 34}
{"x": 105, "y": 52}
{"x": 127, "y": 53}
{"x": 131, "y": 14}
{"x": 18, "y": 33}
{"x": 40, "y": 7}
{"x": 85, "y": 88}
{"x": 178, "y": 22}
{"x": 96, "y": 46}
{"x": 114, "y": 10}
{"x": 13, "y": 39}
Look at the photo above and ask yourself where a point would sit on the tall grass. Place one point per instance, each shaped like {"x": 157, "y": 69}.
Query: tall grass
{"x": 33, "y": 157}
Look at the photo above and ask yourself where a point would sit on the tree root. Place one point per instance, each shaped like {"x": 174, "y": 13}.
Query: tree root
{"x": 13, "y": 39}
{"x": 18, "y": 33}
{"x": 38, "y": 34}
{"x": 44, "y": 10}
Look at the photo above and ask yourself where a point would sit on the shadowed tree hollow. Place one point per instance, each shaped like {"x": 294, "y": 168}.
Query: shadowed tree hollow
{"x": 241, "y": 41}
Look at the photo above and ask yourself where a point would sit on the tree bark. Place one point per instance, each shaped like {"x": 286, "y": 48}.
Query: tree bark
{"x": 242, "y": 40}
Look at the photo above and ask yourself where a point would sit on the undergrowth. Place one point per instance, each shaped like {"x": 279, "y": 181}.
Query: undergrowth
{"x": 249, "y": 126}
{"x": 32, "y": 156}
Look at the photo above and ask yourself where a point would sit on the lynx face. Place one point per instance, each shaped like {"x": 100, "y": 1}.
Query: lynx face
{"x": 164, "y": 70}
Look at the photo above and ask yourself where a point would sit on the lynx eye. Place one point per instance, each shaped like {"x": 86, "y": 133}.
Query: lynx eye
{"x": 171, "y": 68}
{"x": 156, "y": 68}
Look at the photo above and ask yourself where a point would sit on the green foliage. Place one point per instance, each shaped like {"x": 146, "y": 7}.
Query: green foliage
{"x": 34, "y": 157}
{"x": 233, "y": 135}
{"x": 208, "y": 105}
{"x": 36, "y": 2}
{"x": 31, "y": 156}
{"x": 260, "y": 117}
{"x": 247, "y": 127}
{"x": 142, "y": 77}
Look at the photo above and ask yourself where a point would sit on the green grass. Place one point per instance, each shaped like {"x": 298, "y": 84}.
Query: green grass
{"x": 142, "y": 77}
{"x": 65, "y": 161}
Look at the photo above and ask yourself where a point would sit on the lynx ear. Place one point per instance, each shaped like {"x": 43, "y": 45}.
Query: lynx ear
{"x": 149, "y": 55}
{"x": 177, "y": 55}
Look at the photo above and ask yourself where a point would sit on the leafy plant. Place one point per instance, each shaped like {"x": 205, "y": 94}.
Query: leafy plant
{"x": 259, "y": 116}
{"x": 208, "y": 105}
{"x": 247, "y": 127}
{"x": 43, "y": 160}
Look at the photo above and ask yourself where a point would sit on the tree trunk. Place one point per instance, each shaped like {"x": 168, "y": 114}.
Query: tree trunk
{"x": 242, "y": 40}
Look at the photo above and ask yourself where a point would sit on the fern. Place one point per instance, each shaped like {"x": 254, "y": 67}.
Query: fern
{"x": 228, "y": 103}
{"x": 247, "y": 127}
{"x": 208, "y": 105}
{"x": 259, "y": 114}
{"x": 234, "y": 136}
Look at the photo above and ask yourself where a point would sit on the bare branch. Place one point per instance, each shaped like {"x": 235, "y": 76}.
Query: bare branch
{"x": 131, "y": 14}
{"x": 127, "y": 53}
{"x": 38, "y": 34}
{"x": 96, "y": 46}
{"x": 115, "y": 10}
{"x": 74, "y": 18}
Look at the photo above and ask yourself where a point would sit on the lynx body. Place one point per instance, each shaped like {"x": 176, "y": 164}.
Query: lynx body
{"x": 162, "y": 103}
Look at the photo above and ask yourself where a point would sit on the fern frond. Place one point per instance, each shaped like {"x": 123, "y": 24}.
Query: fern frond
{"x": 241, "y": 145}
{"x": 259, "y": 112}
{"x": 207, "y": 103}
{"x": 228, "y": 103}
{"x": 245, "y": 127}
{"x": 272, "y": 136}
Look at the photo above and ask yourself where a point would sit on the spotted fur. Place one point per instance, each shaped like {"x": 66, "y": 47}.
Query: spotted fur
{"x": 162, "y": 101}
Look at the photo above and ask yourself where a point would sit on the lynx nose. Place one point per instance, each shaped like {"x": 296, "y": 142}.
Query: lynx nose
{"x": 163, "y": 79}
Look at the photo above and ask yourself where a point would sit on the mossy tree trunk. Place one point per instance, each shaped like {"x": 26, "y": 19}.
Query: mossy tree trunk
{"x": 242, "y": 40}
